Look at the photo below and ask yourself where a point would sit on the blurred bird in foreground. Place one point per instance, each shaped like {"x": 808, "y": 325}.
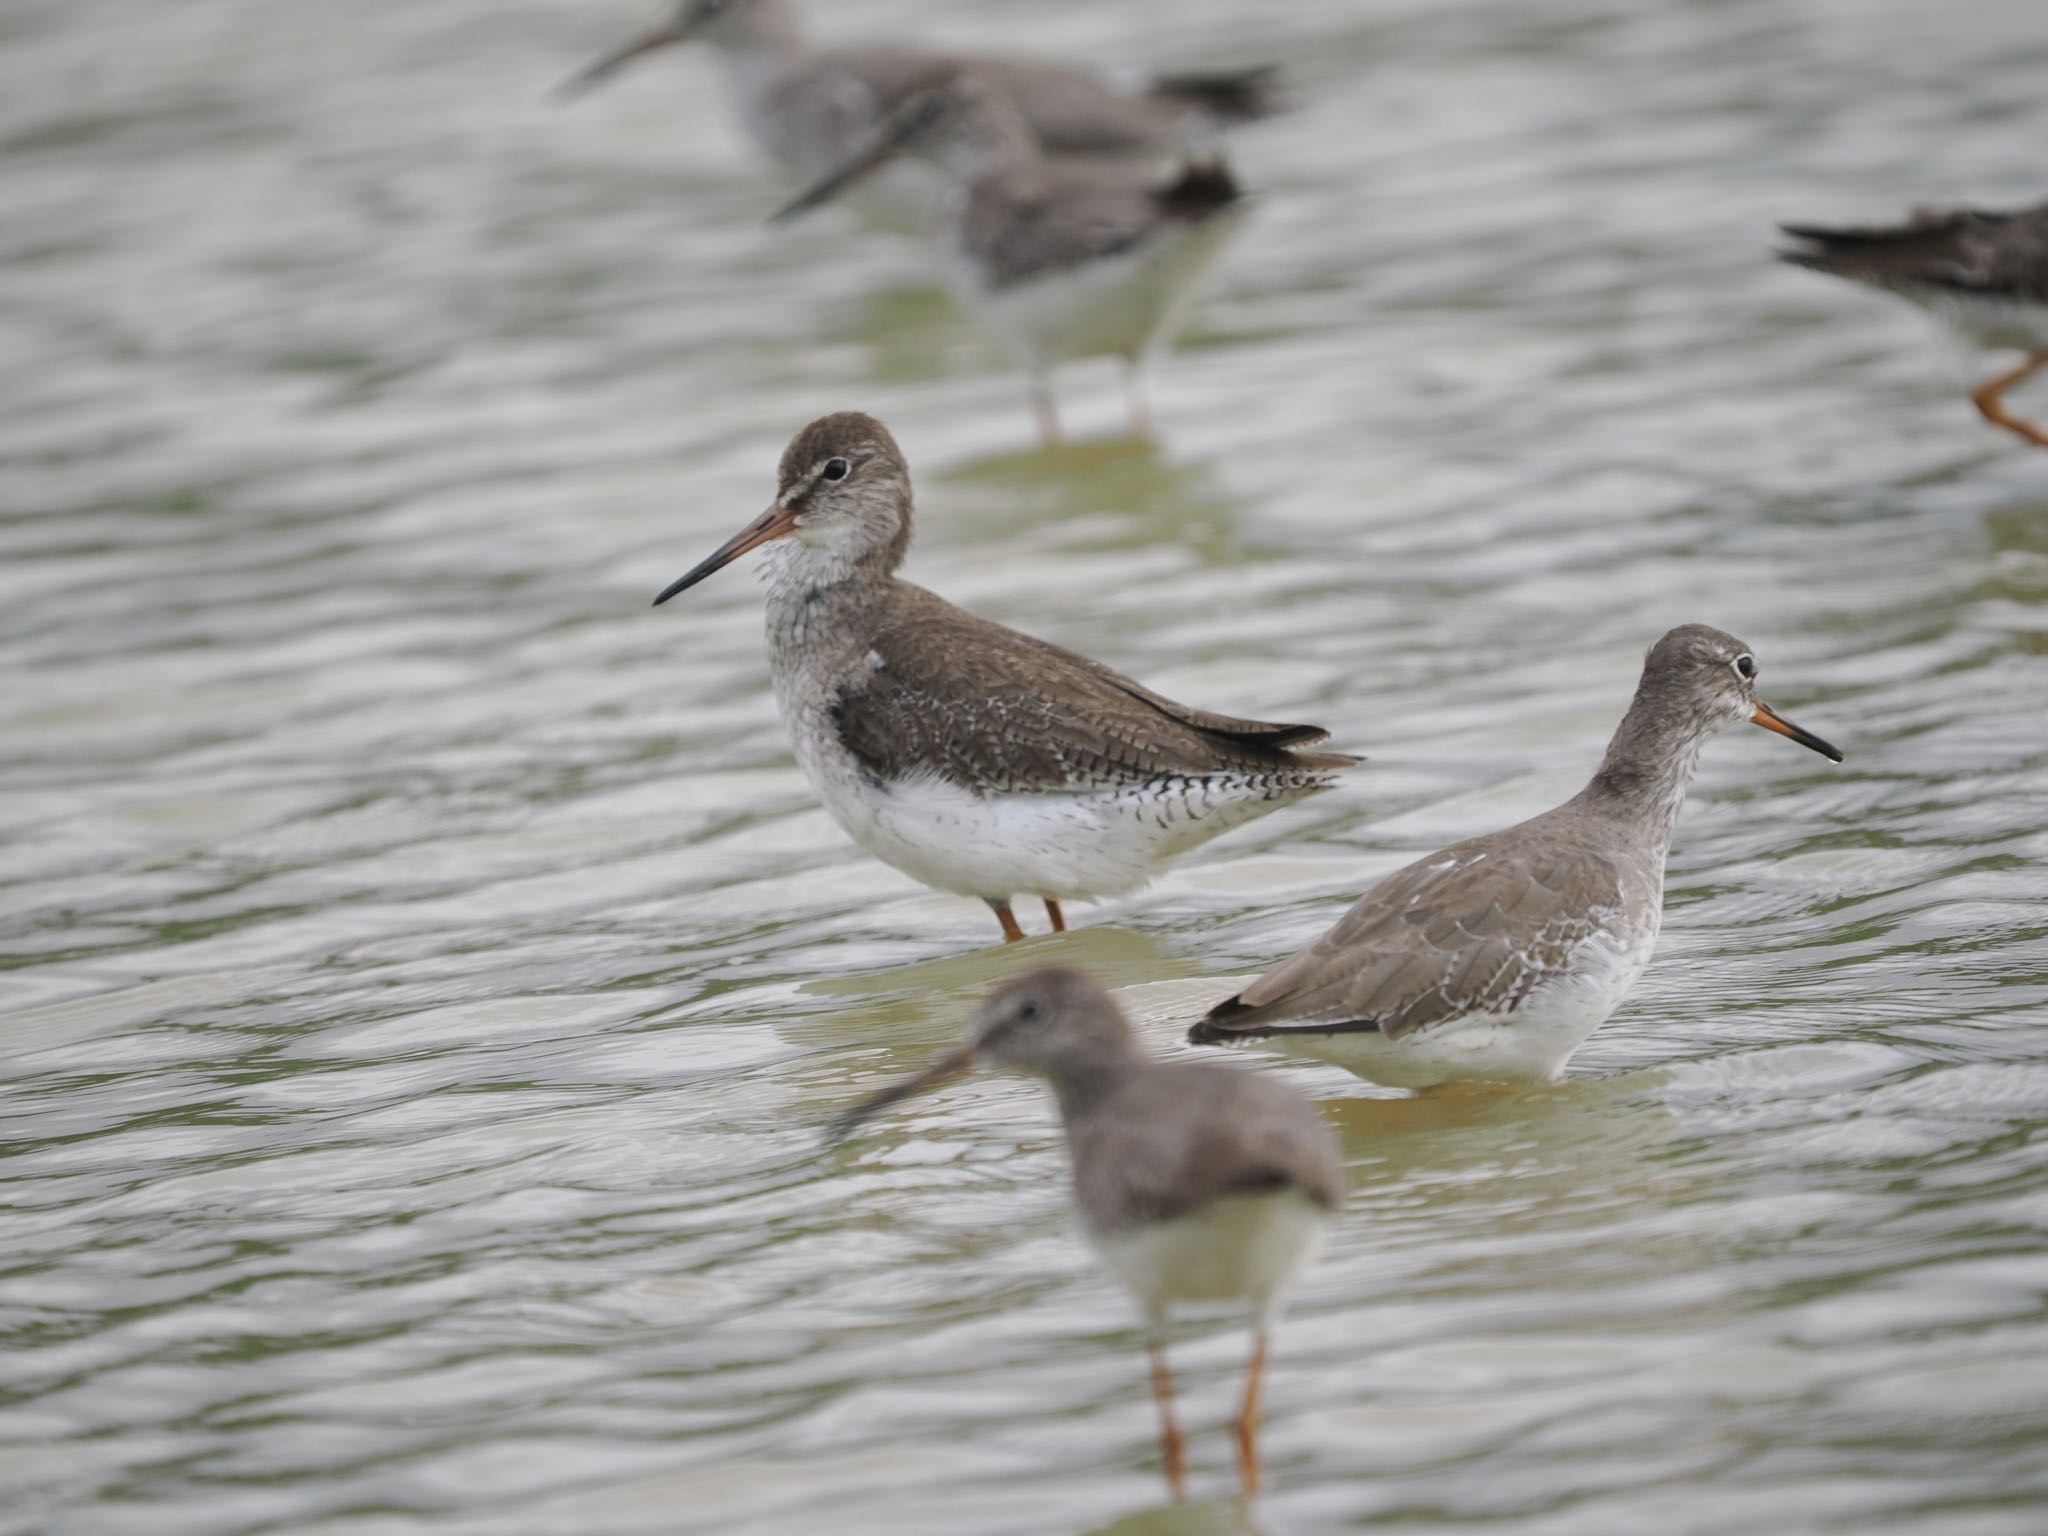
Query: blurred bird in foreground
{"x": 804, "y": 105}
{"x": 1064, "y": 257}
{"x": 1195, "y": 1183}
{"x": 971, "y": 757}
{"x": 1494, "y": 959}
{"x": 1984, "y": 274}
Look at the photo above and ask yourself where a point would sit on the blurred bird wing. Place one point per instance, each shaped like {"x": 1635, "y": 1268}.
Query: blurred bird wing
{"x": 1183, "y": 1135}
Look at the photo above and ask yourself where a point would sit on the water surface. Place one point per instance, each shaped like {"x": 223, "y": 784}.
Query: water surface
{"x": 425, "y": 969}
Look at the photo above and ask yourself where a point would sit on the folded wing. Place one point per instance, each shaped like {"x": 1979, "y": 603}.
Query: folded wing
{"x": 1469, "y": 930}
{"x": 1001, "y": 712}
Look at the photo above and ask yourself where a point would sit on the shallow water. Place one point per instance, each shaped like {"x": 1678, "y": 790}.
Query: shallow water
{"x": 425, "y": 970}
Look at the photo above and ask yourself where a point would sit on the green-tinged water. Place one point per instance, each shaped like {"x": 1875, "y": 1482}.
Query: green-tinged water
{"x": 423, "y": 970}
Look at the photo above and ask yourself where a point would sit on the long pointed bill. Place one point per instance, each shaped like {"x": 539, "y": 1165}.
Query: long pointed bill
{"x": 954, "y": 1064}
{"x": 775, "y": 523}
{"x": 596, "y": 75}
{"x": 836, "y": 181}
{"x": 1771, "y": 720}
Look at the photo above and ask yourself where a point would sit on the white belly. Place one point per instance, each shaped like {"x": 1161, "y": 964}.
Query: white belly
{"x": 1071, "y": 846}
{"x": 1531, "y": 1044}
{"x": 1244, "y": 1249}
{"x": 1125, "y": 305}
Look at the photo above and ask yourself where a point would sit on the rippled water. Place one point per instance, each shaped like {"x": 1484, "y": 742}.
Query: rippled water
{"x": 425, "y": 969}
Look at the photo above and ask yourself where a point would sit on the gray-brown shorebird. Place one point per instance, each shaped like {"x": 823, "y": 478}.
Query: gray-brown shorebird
{"x": 803, "y": 105}
{"x": 1494, "y": 959}
{"x": 1984, "y": 274}
{"x": 1061, "y": 257}
{"x": 971, "y": 757}
{"x": 1198, "y": 1185}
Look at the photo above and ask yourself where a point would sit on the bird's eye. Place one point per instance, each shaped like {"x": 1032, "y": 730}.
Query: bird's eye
{"x": 837, "y": 469}
{"x": 1745, "y": 666}
{"x": 1027, "y": 1011}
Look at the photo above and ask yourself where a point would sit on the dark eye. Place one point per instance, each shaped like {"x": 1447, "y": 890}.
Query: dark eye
{"x": 837, "y": 469}
{"x": 1745, "y": 665}
{"x": 1027, "y": 1011}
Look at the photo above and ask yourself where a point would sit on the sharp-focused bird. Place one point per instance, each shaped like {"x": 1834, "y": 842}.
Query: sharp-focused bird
{"x": 1984, "y": 274}
{"x": 1494, "y": 959}
{"x": 804, "y": 105}
{"x": 971, "y": 757}
{"x": 1198, "y": 1185}
{"x": 1062, "y": 257}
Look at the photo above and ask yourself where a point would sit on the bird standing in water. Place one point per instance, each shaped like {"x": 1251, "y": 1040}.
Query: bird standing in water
{"x": 1198, "y": 1185}
{"x": 1493, "y": 960}
{"x": 1062, "y": 257}
{"x": 1984, "y": 274}
{"x": 804, "y": 106}
{"x": 971, "y": 757}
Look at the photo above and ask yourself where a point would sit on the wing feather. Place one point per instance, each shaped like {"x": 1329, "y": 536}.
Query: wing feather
{"x": 1477, "y": 927}
{"x": 997, "y": 711}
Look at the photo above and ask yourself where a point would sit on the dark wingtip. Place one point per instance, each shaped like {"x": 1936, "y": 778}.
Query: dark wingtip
{"x": 1203, "y": 186}
{"x": 1213, "y": 1027}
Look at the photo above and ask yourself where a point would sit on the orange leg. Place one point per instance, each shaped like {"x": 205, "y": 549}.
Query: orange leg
{"x": 1055, "y": 915}
{"x": 1985, "y": 398}
{"x": 1011, "y": 932}
{"x": 1248, "y": 1421}
{"x": 1173, "y": 1450}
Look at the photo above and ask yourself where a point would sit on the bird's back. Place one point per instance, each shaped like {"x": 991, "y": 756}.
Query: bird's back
{"x": 1179, "y": 1137}
{"x": 1964, "y": 251}
{"x": 995, "y": 710}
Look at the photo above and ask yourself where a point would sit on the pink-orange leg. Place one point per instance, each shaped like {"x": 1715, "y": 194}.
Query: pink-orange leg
{"x": 1055, "y": 916}
{"x": 1248, "y": 1420}
{"x": 1011, "y": 932}
{"x": 1986, "y": 398}
{"x": 1173, "y": 1450}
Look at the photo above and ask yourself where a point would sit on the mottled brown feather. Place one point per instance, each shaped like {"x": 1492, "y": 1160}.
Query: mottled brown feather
{"x": 996, "y": 711}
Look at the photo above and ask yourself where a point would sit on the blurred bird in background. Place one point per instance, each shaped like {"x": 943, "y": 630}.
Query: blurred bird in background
{"x": 804, "y": 106}
{"x": 1062, "y": 257}
{"x": 1984, "y": 274}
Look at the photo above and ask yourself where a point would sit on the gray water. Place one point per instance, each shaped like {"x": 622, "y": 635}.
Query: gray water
{"x": 425, "y": 969}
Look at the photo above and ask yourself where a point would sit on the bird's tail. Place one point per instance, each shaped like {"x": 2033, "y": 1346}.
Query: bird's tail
{"x": 1933, "y": 247}
{"x": 1214, "y": 1027}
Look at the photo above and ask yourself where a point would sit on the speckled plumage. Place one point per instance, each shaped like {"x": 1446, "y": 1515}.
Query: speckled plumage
{"x": 975, "y": 758}
{"x": 999, "y": 712}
